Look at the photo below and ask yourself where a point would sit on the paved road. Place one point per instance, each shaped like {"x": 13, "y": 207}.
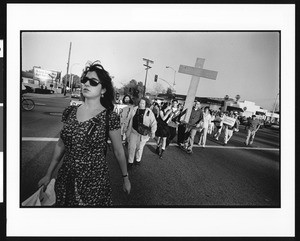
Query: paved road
{"x": 215, "y": 176}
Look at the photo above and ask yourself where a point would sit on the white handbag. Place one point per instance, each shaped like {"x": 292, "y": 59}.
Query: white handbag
{"x": 41, "y": 198}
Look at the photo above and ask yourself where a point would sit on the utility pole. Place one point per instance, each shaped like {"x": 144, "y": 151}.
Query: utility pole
{"x": 65, "y": 85}
{"x": 148, "y": 61}
{"x": 275, "y": 104}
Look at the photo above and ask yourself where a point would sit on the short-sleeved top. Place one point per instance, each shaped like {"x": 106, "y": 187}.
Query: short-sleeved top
{"x": 83, "y": 179}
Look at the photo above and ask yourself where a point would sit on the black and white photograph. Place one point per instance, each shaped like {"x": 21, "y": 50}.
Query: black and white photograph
{"x": 209, "y": 102}
{"x": 167, "y": 120}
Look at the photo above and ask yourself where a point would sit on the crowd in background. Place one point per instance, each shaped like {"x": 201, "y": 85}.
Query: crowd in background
{"x": 165, "y": 120}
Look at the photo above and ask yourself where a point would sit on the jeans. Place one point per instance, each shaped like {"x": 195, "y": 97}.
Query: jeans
{"x": 189, "y": 143}
{"x": 250, "y": 137}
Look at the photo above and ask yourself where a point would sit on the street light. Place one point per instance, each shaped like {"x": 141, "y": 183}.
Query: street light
{"x": 166, "y": 82}
{"x": 169, "y": 67}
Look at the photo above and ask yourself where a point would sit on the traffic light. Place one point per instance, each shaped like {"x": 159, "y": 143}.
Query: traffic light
{"x": 155, "y": 78}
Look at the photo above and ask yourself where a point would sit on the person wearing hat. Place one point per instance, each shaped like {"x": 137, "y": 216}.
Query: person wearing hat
{"x": 252, "y": 127}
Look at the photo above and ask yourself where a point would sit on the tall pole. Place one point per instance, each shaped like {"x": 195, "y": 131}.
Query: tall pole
{"x": 71, "y": 83}
{"x": 65, "y": 85}
{"x": 147, "y": 67}
{"x": 275, "y": 104}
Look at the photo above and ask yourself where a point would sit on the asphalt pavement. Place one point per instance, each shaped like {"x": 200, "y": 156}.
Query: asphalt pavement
{"x": 234, "y": 175}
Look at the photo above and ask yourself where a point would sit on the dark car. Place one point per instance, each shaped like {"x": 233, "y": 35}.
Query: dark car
{"x": 267, "y": 124}
{"x": 29, "y": 89}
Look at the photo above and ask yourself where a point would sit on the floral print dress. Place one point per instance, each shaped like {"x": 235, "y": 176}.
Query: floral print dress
{"x": 83, "y": 178}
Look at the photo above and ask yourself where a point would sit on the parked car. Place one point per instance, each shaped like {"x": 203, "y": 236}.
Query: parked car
{"x": 43, "y": 91}
{"x": 29, "y": 89}
{"x": 275, "y": 126}
{"x": 267, "y": 124}
{"x": 76, "y": 101}
{"x": 76, "y": 94}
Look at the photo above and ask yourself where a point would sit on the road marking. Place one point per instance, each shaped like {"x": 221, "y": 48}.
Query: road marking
{"x": 39, "y": 139}
{"x": 56, "y": 114}
{"x": 172, "y": 144}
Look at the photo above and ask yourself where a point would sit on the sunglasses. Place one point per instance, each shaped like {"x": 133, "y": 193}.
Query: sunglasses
{"x": 93, "y": 82}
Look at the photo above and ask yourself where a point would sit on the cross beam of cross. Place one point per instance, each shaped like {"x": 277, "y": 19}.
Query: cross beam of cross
{"x": 196, "y": 73}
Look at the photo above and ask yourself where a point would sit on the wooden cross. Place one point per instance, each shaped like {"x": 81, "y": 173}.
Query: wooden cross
{"x": 196, "y": 73}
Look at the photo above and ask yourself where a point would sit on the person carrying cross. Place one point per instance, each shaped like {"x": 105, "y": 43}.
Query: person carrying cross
{"x": 193, "y": 126}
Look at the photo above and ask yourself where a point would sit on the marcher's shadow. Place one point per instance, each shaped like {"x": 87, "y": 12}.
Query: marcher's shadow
{"x": 236, "y": 143}
{"x": 125, "y": 147}
{"x": 212, "y": 139}
{"x": 152, "y": 148}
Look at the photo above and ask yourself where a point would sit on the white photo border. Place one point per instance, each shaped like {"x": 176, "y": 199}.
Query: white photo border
{"x": 192, "y": 222}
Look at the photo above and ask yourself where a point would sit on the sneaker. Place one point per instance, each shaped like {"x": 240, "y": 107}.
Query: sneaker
{"x": 199, "y": 144}
{"x": 129, "y": 165}
{"x": 137, "y": 163}
{"x": 217, "y": 138}
{"x": 189, "y": 151}
{"x": 203, "y": 146}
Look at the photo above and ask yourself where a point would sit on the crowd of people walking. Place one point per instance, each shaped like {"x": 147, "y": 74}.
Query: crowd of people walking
{"x": 165, "y": 121}
{"x": 83, "y": 178}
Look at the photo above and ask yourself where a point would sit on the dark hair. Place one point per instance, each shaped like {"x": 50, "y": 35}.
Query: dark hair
{"x": 174, "y": 100}
{"x": 108, "y": 97}
{"x": 165, "y": 105}
{"x": 146, "y": 100}
{"x": 130, "y": 99}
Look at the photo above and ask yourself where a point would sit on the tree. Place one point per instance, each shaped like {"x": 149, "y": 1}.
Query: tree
{"x": 158, "y": 88}
{"x": 66, "y": 78}
{"x": 134, "y": 88}
{"x": 75, "y": 81}
{"x": 170, "y": 94}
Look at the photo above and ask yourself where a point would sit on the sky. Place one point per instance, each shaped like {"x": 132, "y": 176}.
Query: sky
{"x": 247, "y": 62}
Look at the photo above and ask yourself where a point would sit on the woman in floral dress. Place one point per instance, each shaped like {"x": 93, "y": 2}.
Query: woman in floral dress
{"x": 83, "y": 178}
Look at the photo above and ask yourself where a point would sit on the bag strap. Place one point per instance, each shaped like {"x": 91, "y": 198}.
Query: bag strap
{"x": 107, "y": 125}
{"x": 106, "y": 130}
